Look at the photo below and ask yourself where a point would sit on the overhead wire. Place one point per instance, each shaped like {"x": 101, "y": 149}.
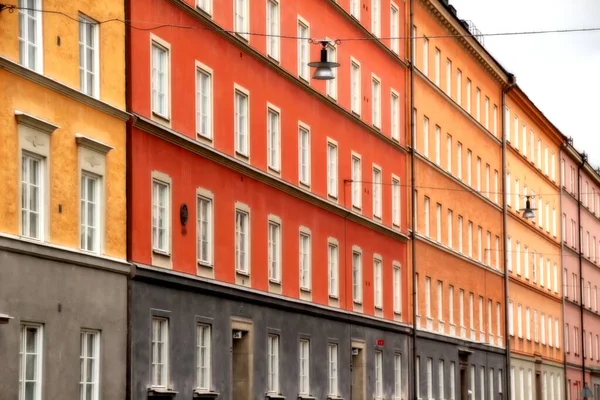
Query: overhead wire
{"x": 130, "y": 24}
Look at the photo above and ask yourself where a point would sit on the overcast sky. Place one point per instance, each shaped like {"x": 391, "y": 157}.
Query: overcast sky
{"x": 560, "y": 72}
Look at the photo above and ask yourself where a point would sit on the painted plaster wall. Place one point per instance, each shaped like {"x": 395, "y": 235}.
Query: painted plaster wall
{"x": 555, "y": 390}
{"x": 72, "y": 117}
{"x": 61, "y": 61}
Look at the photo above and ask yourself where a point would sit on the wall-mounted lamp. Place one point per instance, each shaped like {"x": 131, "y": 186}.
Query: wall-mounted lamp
{"x": 183, "y": 214}
{"x": 528, "y": 212}
{"x": 324, "y": 68}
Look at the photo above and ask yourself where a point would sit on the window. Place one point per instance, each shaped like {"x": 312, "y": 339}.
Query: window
{"x": 478, "y": 174}
{"x": 461, "y": 303}
{"x": 460, "y": 233}
{"x": 89, "y": 358}
{"x": 274, "y": 251}
{"x": 242, "y": 18}
{"x": 332, "y": 84}
{"x": 469, "y": 167}
{"x": 242, "y": 239}
{"x": 451, "y": 307}
{"x": 567, "y": 348}
{"x": 449, "y": 153}
{"x": 30, "y": 34}
{"x": 356, "y": 182}
{"x": 378, "y": 375}
{"x": 30, "y": 362}
{"x": 304, "y": 157}
{"x": 378, "y": 271}
{"x": 334, "y": 272}
{"x": 441, "y": 390}
{"x": 429, "y": 378}
{"x": 376, "y": 17}
{"x": 89, "y": 60}
{"x": 479, "y": 244}
{"x": 203, "y": 356}
{"x": 425, "y": 56}
{"x": 205, "y": 230}
{"x": 161, "y": 220}
{"x": 273, "y": 364}
{"x": 305, "y": 261}
{"x": 478, "y": 104}
{"x": 449, "y": 226}
{"x": 519, "y": 321}
{"x": 355, "y": 88}
{"x": 459, "y": 161}
{"x": 204, "y": 105}
{"x": 90, "y": 212}
{"x": 32, "y": 195}
{"x": 557, "y": 335}
{"x": 395, "y": 201}
{"x": 303, "y": 50}
{"x": 357, "y": 276}
{"x": 448, "y": 77}
{"x": 498, "y": 322}
{"x": 397, "y": 376}
{"x": 487, "y": 113}
{"x": 452, "y": 379}
{"x": 376, "y": 193}
{"x": 160, "y": 352}
{"x": 394, "y": 28}
{"x": 333, "y": 369}
{"x": 332, "y": 170}
{"x": 438, "y": 145}
{"x": 355, "y": 8}
{"x": 469, "y": 95}
{"x": 413, "y": 45}
{"x": 459, "y": 86}
{"x": 509, "y": 255}
{"x": 507, "y": 195}
{"x": 242, "y": 125}
{"x": 426, "y": 216}
{"x": 160, "y": 80}
{"x": 511, "y": 317}
{"x": 438, "y": 65}
{"x": 397, "y": 289}
{"x": 395, "y": 118}
{"x": 304, "y": 352}
{"x": 495, "y": 122}
{"x": 426, "y": 136}
{"x": 487, "y": 181}
{"x": 205, "y": 5}
{"x": 273, "y": 29}
{"x": 470, "y": 238}
{"x": 274, "y": 139}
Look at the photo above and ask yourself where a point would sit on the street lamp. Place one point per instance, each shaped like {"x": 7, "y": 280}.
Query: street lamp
{"x": 323, "y": 68}
{"x": 528, "y": 211}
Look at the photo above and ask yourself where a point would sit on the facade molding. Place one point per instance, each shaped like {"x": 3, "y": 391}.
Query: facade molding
{"x": 424, "y": 334}
{"x": 453, "y": 103}
{"x": 273, "y": 65}
{"x": 60, "y": 254}
{"x": 531, "y": 166}
{"x": 533, "y": 228}
{"x": 472, "y": 47}
{"x": 535, "y": 289}
{"x": 535, "y": 358}
{"x": 63, "y": 89}
{"x": 193, "y": 283}
{"x": 248, "y": 170}
{"x": 463, "y": 257}
{"x": 92, "y": 144}
{"x": 34, "y": 122}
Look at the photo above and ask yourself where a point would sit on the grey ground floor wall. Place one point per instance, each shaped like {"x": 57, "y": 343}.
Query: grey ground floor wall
{"x": 458, "y": 368}
{"x": 536, "y": 379}
{"x": 49, "y": 289}
{"x": 186, "y": 302}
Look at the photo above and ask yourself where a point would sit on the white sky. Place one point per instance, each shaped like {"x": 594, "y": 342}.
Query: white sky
{"x": 560, "y": 72}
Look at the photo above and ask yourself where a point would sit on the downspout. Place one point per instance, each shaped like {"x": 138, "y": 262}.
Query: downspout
{"x": 512, "y": 83}
{"x": 580, "y": 251}
{"x": 413, "y": 141}
{"x": 562, "y": 241}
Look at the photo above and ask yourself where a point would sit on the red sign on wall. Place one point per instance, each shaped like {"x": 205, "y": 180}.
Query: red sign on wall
{"x": 380, "y": 342}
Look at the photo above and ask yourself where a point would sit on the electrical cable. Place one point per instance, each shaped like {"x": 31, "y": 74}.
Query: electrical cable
{"x": 130, "y": 23}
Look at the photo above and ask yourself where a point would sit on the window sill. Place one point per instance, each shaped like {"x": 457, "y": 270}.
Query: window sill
{"x": 334, "y": 297}
{"x": 306, "y": 397}
{"x": 204, "y": 139}
{"x": 330, "y": 397}
{"x": 201, "y": 394}
{"x": 203, "y": 11}
{"x": 243, "y": 273}
{"x": 205, "y": 264}
{"x": 274, "y": 396}
{"x": 161, "y": 392}
{"x": 305, "y": 289}
{"x": 275, "y": 281}
{"x": 243, "y": 156}
{"x": 304, "y": 185}
{"x": 162, "y": 253}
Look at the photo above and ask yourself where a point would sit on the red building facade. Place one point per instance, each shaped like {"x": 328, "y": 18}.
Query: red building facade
{"x": 246, "y": 171}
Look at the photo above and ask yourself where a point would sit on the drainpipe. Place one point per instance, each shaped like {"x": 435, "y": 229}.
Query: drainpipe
{"x": 512, "y": 83}
{"x": 413, "y": 141}
{"x": 562, "y": 240}
{"x": 580, "y": 251}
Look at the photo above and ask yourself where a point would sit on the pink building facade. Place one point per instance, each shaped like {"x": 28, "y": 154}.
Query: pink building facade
{"x": 580, "y": 205}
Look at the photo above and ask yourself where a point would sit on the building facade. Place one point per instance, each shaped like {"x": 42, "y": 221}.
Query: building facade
{"x": 268, "y": 209}
{"x": 457, "y": 258}
{"x": 581, "y": 277}
{"x": 63, "y": 275}
{"x": 533, "y": 250}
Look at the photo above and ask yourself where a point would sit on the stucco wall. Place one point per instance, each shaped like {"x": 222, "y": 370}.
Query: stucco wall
{"x": 64, "y": 298}
{"x": 184, "y": 307}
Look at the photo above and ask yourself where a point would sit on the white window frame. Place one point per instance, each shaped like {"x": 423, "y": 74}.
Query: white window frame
{"x": 37, "y": 42}
{"x": 355, "y": 86}
{"x": 161, "y": 324}
{"x": 333, "y": 374}
{"x": 332, "y": 84}
{"x": 378, "y": 375}
{"x": 397, "y": 282}
{"x": 438, "y": 66}
{"x": 273, "y": 29}
{"x": 357, "y": 275}
{"x": 157, "y": 44}
{"x": 241, "y": 18}
{"x": 86, "y": 360}
{"x": 89, "y": 44}
{"x": 378, "y": 279}
{"x": 376, "y": 17}
{"x": 395, "y": 115}
{"x": 303, "y": 28}
{"x": 332, "y": 169}
{"x": 356, "y": 160}
{"x": 273, "y": 363}
{"x": 241, "y": 128}
{"x": 377, "y": 192}
{"x": 304, "y": 367}
{"x": 203, "y": 357}
{"x": 394, "y": 27}
{"x": 304, "y": 155}
{"x": 93, "y": 245}
{"x": 39, "y": 360}
{"x": 205, "y": 6}
{"x": 305, "y": 259}
{"x": 376, "y": 100}
{"x": 26, "y": 187}
{"x": 273, "y": 138}
{"x": 159, "y": 183}
{"x": 204, "y": 108}
{"x": 333, "y": 263}
{"x": 274, "y": 235}
{"x": 396, "y": 201}
{"x": 242, "y": 239}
